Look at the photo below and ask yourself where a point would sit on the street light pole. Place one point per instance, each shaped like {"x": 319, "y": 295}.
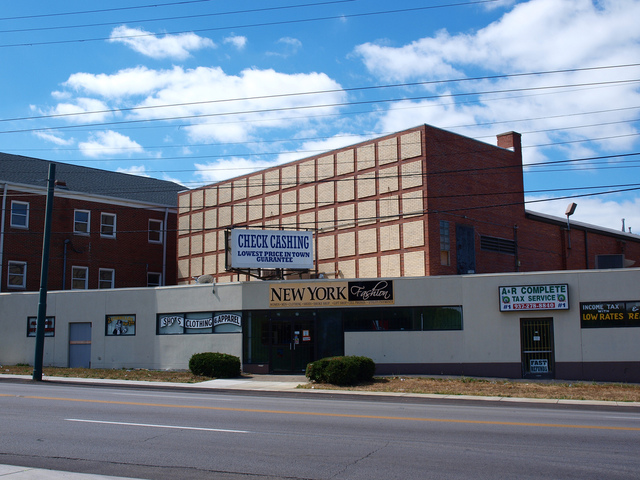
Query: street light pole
{"x": 44, "y": 276}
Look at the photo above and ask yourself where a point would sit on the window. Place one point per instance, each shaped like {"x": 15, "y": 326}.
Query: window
{"x": 199, "y": 323}
{"x": 81, "y": 222}
{"x": 108, "y": 225}
{"x": 17, "y": 275}
{"x": 445, "y": 243}
{"x": 154, "y": 279}
{"x": 403, "y": 318}
{"x": 120, "y": 325}
{"x": 155, "y": 231}
{"x": 79, "y": 277}
{"x": 610, "y": 314}
{"x": 19, "y": 214}
{"x": 49, "y": 326}
{"x": 106, "y": 278}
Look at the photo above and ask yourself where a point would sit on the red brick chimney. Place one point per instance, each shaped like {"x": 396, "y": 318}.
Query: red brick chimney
{"x": 513, "y": 141}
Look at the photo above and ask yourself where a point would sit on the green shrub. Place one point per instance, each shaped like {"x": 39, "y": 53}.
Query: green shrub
{"x": 215, "y": 365}
{"x": 343, "y": 371}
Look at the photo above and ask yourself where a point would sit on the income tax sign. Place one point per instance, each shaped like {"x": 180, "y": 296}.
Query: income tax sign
{"x": 534, "y": 297}
{"x": 271, "y": 249}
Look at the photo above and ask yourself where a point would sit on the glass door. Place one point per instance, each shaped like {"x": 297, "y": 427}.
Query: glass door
{"x": 292, "y": 343}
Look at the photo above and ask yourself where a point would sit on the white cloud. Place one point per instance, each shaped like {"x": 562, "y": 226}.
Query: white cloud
{"x": 228, "y": 168}
{"x": 82, "y": 110}
{"x": 539, "y": 35}
{"x": 54, "y": 139}
{"x": 291, "y": 47}
{"x": 266, "y": 99}
{"x": 593, "y": 210}
{"x": 238, "y": 41}
{"x": 177, "y": 47}
{"x": 109, "y": 143}
{"x": 535, "y": 35}
{"x": 124, "y": 83}
{"x": 139, "y": 170}
{"x": 316, "y": 147}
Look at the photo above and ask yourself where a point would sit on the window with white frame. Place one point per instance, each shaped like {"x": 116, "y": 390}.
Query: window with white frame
{"x": 106, "y": 278}
{"x": 79, "y": 278}
{"x": 81, "y": 222}
{"x": 155, "y": 231}
{"x": 108, "y": 225}
{"x": 19, "y": 214}
{"x": 154, "y": 279}
{"x": 17, "y": 276}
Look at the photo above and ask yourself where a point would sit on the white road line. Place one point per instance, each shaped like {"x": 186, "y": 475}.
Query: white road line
{"x": 176, "y": 427}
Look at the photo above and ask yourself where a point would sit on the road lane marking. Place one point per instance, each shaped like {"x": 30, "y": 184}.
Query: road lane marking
{"x": 322, "y": 414}
{"x": 151, "y": 425}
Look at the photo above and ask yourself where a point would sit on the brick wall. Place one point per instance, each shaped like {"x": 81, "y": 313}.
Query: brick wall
{"x": 129, "y": 253}
{"x": 376, "y": 209}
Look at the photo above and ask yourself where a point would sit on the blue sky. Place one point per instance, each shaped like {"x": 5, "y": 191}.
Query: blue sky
{"x": 198, "y": 91}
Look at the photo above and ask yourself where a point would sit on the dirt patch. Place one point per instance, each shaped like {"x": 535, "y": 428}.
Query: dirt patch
{"x": 177, "y": 376}
{"x": 499, "y": 388}
{"x": 618, "y": 392}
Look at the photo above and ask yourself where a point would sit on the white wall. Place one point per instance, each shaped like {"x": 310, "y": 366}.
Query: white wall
{"x": 488, "y": 335}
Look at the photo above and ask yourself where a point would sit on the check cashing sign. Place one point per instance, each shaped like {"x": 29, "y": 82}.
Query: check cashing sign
{"x": 534, "y": 297}
{"x": 271, "y": 249}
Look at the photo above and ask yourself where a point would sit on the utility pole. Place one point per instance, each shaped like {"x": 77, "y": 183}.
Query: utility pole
{"x": 44, "y": 277}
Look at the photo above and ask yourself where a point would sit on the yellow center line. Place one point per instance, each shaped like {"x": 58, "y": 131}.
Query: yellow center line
{"x": 320, "y": 414}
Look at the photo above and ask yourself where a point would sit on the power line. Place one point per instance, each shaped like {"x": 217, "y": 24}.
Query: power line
{"x": 262, "y": 24}
{"x": 103, "y": 10}
{"x": 317, "y": 106}
{"x": 183, "y": 17}
{"x": 353, "y": 89}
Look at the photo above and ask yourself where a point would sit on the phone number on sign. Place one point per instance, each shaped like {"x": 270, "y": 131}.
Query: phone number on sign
{"x": 532, "y": 306}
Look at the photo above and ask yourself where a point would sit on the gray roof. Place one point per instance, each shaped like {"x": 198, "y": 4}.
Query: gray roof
{"x": 34, "y": 171}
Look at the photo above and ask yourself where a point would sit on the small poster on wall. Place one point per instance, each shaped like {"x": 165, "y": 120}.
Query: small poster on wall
{"x": 49, "y": 326}
{"x": 120, "y": 325}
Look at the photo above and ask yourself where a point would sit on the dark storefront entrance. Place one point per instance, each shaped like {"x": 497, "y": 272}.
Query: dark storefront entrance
{"x": 536, "y": 337}
{"x": 292, "y": 343}
{"x": 285, "y": 341}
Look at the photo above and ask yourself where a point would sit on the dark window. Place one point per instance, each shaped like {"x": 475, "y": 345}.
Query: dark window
{"x": 399, "y": 319}
{"x": 19, "y": 214}
{"x": 108, "y": 225}
{"x": 106, "y": 278}
{"x": 155, "y": 231}
{"x": 17, "y": 276}
{"x": 154, "y": 279}
{"x": 81, "y": 221}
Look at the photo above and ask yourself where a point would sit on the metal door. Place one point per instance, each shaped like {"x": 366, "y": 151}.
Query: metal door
{"x": 465, "y": 250}
{"x": 536, "y": 338}
{"x": 292, "y": 344}
{"x": 80, "y": 345}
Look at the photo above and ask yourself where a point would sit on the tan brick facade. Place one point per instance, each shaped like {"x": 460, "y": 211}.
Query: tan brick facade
{"x": 377, "y": 210}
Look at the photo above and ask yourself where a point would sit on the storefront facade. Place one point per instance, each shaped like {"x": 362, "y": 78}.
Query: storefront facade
{"x": 578, "y": 325}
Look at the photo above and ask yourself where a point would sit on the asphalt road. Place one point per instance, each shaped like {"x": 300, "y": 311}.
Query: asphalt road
{"x": 167, "y": 434}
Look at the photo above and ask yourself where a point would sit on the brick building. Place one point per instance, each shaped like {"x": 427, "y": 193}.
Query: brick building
{"x": 109, "y": 230}
{"x": 415, "y": 203}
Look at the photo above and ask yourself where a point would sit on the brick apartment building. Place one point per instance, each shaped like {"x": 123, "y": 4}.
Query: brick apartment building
{"x": 109, "y": 230}
{"x": 419, "y": 202}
